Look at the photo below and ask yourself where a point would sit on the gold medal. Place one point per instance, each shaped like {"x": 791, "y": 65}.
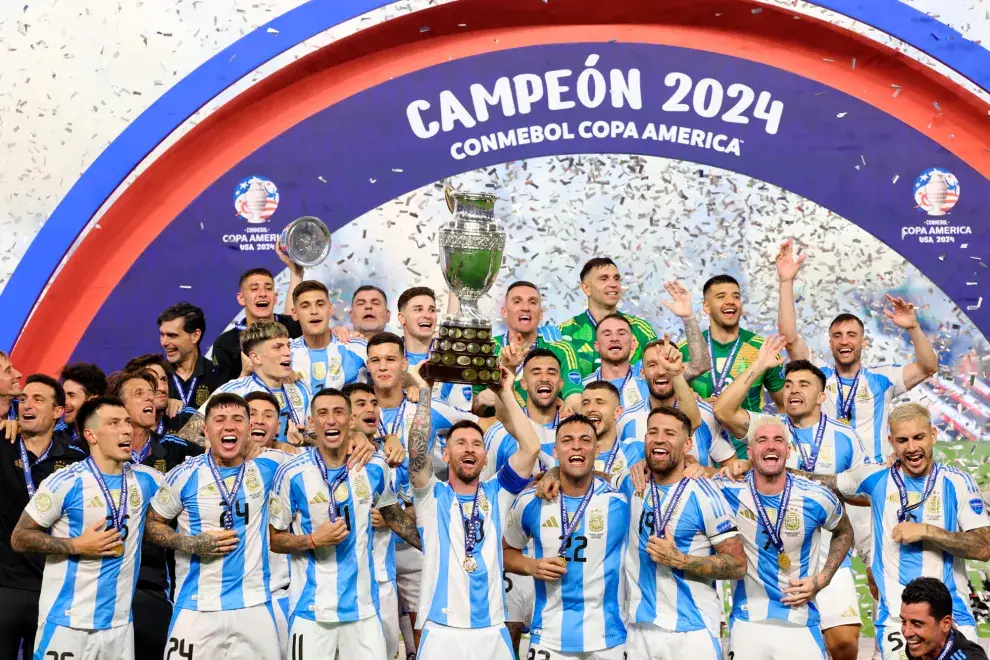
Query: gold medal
{"x": 470, "y": 564}
{"x": 845, "y": 420}
{"x": 118, "y": 551}
{"x": 783, "y": 561}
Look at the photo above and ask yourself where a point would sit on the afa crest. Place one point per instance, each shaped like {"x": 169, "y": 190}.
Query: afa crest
{"x": 792, "y": 520}
{"x": 202, "y": 395}
{"x": 361, "y": 487}
{"x": 134, "y": 497}
{"x": 596, "y": 521}
{"x": 252, "y": 483}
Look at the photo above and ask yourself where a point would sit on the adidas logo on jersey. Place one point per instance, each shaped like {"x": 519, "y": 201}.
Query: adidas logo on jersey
{"x": 319, "y": 498}
{"x": 95, "y": 502}
{"x": 850, "y": 612}
{"x": 551, "y": 523}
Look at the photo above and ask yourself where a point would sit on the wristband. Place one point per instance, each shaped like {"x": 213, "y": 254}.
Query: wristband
{"x": 312, "y": 541}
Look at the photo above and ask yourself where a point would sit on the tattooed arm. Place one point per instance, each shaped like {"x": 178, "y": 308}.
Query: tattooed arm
{"x": 804, "y": 589}
{"x": 974, "y": 544}
{"x": 417, "y": 442}
{"x": 192, "y": 430}
{"x": 402, "y": 524}
{"x": 728, "y": 562}
{"x": 697, "y": 348}
{"x": 831, "y": 481}
{"x": 29, "y": 536}
{"x": 207, "y": 544}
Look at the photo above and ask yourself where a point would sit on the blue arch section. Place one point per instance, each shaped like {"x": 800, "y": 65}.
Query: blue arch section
{"x": 311, "y": 18}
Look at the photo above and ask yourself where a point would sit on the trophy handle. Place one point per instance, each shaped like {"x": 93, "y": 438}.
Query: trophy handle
{"x": 448, "y": 194}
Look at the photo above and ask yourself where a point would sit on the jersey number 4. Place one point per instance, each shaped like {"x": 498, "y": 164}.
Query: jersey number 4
{"x": 178, "y": 646}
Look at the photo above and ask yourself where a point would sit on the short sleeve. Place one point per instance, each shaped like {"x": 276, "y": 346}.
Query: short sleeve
{"x": 773, "y": 379}
{"x": 895, "y": 374}
{"x": 720, "y": 451}
{"x": 970, "y": 508}
{"x": 280, "y": 501}
{"x": 48, "y": 501}
{"x": 509, "y": 481}
{"x": 857, "y": 481}
{"x": 353, "y": 367}
{"x": 718, "y": 520}
{"x": 516, "y": 533}
{"x": 833, "y": 509}
{"x": 168, "y": 501}
{"x": 859, "y": 456}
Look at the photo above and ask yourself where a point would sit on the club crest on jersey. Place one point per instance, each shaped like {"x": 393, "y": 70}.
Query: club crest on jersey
{"x": 202, "y": 395}
{"x": 863, "y": 394}
{"x": 483, "y": 503}
{"x": 340, "y": 493}
{"x": 596, "y": 522}
{"x": 134, "y": 497}
{"x": 43, "y": 502}
{"x": 361, "y": 487}
{"x": 295, "y": 398}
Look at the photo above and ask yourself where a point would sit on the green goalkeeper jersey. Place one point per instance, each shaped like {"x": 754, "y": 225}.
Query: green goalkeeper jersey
{"x": 579, "y": 332}
{"x": 570, "y": 371}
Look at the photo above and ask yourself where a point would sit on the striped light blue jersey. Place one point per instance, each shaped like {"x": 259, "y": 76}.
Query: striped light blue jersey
{"x": 456, "y": 395}
{"x": 334, "y": 366}
{"x": 383, "y": 540}
{"x": 811, "y": 509}
{"x": 630, "y": 452}
{"x": 580, "y": 612}
{"x": 398, "y": 420}
{"x": 240, "y": 578}
{"x": 333, "y": 584}
{"x": 877, "y": 388}
{"x": 449, "y": 595}
{"x": 673, "y": 599}
{"x": 278, "y": 564}
{"x": 91, "y": 593}
{"x": 293, "y": 400}
{"x": 501, "y": 446}
{"x": 632, "y": 389}
{"x": 954, "y": 505}
{"x": 709, "y": 446}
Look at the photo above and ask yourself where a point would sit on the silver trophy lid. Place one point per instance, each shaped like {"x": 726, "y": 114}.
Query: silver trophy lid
{"x": 306, "y": 241}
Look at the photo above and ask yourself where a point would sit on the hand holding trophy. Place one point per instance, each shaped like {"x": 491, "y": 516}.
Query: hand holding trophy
{"x": 471, "y": 246}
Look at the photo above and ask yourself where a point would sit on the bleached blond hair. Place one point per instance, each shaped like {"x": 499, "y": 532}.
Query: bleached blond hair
{"x": 907, "y": 412}
{"x": 765, "y": 420}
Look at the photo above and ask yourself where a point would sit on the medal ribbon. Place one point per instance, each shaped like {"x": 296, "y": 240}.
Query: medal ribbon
{"x": 906, "y": 508}
{"x": 473, "y": 524}
{"x": 844, "y": 405}
{"x": 332, "y": 485}
{"x": 184, "y": 394}
{"x": 773, "y": 531}
{"x": 288, "y": 403}
{"x": 26, "y": 464}
{"x": 660, "y": 521}
{"x": 613, "y": 453}
{"x": 569, "y": 525}
{"x": 719, "y": 377}
{"x": 808, "y": 463}
{"x": 399, "y": 414}
{"x": 228, "y": 497}
{"x": 138, "y": 457}
{"x": 948, "y": 646}
{"x": 119, "y": 512}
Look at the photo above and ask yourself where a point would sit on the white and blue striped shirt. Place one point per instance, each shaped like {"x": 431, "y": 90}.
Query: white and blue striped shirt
{"x": 293, "y": 399}
{"x": 449, "y": 595}
{"x": 91, "y": 593}
{"x": 580, "y": 612}
{"x": 709, "y": 446}
{"x": 502, "y": 445}
{"x": 457, "y": 395}
{"x": 240, "y": 578}
{"x": 333, "y": 584}
{"x": 673, "y": 599}
{"x": 877, "y": 388}
{"x": 398, "y": 420}
{"x": 954, "y": 505}
{"x": 632, "y": 389}
{"x": 811, "y": 509}
{"x": 334, "y": 366}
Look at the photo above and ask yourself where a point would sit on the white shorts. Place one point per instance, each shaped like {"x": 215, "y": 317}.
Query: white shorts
{"x": 282, "y": 609}
{"x": 766, "y": 640}
{"x": 520, "y": 598}
{"x": 444, "y": 643}
{"x": 388, "y": 610}
{"x": 54, "y": 641}
{"x": 356, "y": 639}
{"x": 249, "y": 633}
{"x": 891, "y": 641}
{"x": 838, "y": 603}
{"x": 646, "y": 641}
{"x": 408, "y": 576}
{"x": 537, "y": 652}
{"x": 861, "y": 519}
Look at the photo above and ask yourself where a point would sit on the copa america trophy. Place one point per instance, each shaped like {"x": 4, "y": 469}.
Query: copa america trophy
{"x": 306, "y": 240}
{"x": 471, "y": 246}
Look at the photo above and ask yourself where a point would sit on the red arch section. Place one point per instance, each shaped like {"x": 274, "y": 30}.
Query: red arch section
{"x": 807, "y": 47}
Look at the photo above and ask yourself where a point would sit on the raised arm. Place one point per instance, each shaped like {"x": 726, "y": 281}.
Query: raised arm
{"x": 192, "y": 430}
{"x": 29, "y": 536}
{"x": 296, "y": 274}
{"x": 680, "y": 305}
{"x": 420, "y": 461}
{"x": 206, "y": 544}
{"x": 787, "y": 270}
{"x": 925, "y": 359}
{"x": 402, "y": 523}
{"x": 672, "y": 361}
{"x": 518, "y": 425}
{"x": 728, "y": 406}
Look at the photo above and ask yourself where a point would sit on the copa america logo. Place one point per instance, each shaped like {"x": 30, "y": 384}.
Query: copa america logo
{"x": 256, "y": 199}
{"x": 936, "y": 191}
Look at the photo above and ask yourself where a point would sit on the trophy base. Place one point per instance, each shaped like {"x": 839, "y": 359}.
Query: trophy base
{"x": 463, "y": 353}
